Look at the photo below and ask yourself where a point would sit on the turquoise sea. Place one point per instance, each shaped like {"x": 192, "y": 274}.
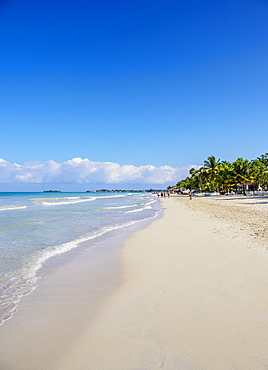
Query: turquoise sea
{"x": 37, "y": 227}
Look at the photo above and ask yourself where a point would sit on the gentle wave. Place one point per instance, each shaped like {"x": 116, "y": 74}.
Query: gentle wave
{"x": 138, "y": 209}
{"x": 111, "y": 196}
{"x": 146, "y": 205}
{"x": 134, "y": 205}
{"x": 43, "y": 199}
{"x": 73, "y": 200}
{"x": 121, "y": 207}
{"x": 11, "y": 208}
{"x": 76, "y": 200}
{"x": 151, "y": 202}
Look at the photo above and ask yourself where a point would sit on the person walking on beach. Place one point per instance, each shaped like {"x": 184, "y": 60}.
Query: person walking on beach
{"x": 190, "y": 194}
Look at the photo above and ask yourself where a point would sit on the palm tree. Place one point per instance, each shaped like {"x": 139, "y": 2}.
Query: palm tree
{"x": 192, "y": 171}
{"x": 260, "y": 172}
{"x": 196, "y": 177}
{"x": 225, "y": 176}
{"x": 264, "y": 159}
{"x": 242, "y": 172}
{"x": 211, "y": 167}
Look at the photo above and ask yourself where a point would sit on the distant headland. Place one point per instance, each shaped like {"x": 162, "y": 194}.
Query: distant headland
{"x": 122, "y": 191}
{"x": 51, "y": 191}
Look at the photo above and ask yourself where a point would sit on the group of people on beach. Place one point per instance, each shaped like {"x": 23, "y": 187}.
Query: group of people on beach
{"x": 163, "y": 194}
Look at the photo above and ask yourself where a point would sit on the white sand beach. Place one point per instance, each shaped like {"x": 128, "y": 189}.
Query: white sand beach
{"x": 189, "y": 291}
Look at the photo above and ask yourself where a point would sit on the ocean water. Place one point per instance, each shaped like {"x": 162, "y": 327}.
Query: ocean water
{"x": 35, "y": 227}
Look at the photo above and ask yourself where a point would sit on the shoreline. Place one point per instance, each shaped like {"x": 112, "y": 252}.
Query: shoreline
{"x": 50, "y": 257}
{"x": 51, "y": 317}
{"x": 70, "y": 286}
{"x": 187, "y": 291}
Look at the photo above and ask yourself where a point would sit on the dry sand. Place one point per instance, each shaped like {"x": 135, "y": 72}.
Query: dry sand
{"x": 192, "y": 294}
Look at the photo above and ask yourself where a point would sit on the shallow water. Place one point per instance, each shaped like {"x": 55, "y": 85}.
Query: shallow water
{"x": 35, "y": 227}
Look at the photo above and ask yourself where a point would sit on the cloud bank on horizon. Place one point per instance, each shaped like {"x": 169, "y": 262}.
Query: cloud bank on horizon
{"x": 84, "y": 171}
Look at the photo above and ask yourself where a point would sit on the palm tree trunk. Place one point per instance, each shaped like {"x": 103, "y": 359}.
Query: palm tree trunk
{"x": 244, "y": 189}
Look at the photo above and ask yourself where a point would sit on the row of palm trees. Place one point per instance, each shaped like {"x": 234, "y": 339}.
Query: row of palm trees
{"x": 225, "y": 177}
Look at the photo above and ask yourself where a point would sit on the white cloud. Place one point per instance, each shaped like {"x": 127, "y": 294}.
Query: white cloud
{"x": 82, "y": 171}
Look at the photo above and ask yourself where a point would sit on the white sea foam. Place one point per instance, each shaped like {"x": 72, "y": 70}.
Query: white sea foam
{"x": 44, "y": 199}
{"x": 111, "y": 196}
{"x": 121, "y": 207}
{"x": 146, "y": 206}
{"x": 70, "y": 201}
{"x": 11, "y": 208}
{"x": 138, "y": 209}
{"x": 151, "y": 202}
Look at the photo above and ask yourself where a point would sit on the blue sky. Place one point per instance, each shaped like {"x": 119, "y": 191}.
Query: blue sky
{"x": 131, "y": 82}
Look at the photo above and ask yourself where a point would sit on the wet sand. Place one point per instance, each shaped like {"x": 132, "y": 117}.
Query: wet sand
{"x": 189, "y": 291}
